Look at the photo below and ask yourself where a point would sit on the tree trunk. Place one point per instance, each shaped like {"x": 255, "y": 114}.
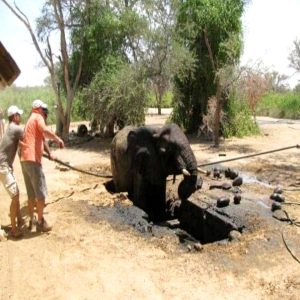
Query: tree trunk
{"x": 158, "y": 96}
{"x": 217, "y": 115}
{"x": 65, "y": 131}
{"x": 110, "y": 126}
{"x": 59, "y": 124}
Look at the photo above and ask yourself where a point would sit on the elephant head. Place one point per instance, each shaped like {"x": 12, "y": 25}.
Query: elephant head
{"x": 145, "y": 159}
{"x": 149, "y": 181}
{"x": 178, "y": 158}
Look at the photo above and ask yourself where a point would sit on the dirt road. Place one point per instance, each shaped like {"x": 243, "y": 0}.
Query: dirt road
{"x": 90, "y": 256}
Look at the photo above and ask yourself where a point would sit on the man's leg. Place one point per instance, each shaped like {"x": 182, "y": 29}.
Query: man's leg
{"x": 14, "y": 215}
{"x": 42, "y": 225}
{"x": 31, "y": 206}
{"x": 40, "y": 204}
{"x": 11, "y": 187}
{"x": 38, "y": 189}
{"x": 28, "y": 174}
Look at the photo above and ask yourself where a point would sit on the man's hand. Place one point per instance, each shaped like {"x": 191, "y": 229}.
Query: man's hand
{"x": 60, "y": 143}
{"x": 51, "y": 156}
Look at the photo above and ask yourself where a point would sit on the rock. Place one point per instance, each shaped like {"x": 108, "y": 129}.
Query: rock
{"x": 223, "y": 202}
{"x": 198, "y": 247}
{"x": 232, "y": 174}
{"x": 275, "y": 206}
{"x": 173, "y": 223}
{"x": 277, "y": 197}
{"x": 237, "y": 198}
{"x": 189, "y": 247}
{"x": 238, "y": 181}
{"x": 234, "y": 235}
{"x": 278, "y": 190}
{"x": 82, "y": 130}
{"x": 236, "y": 190}
{"x": 217, "y": 173}
{"x": 223, "y": 186}
{"x": 199, "y": 183}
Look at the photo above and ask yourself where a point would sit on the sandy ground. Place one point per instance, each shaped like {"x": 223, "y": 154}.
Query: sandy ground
{"x": 88, "y": 256}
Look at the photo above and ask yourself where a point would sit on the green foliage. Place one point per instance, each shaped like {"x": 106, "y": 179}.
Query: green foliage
{"x": 166, "y": 100}
{"x": 105, "y": 33}
{"x": 221, "y": 20}
{"x": 23, "y": 97}
{"x": 239, "y": 121}
{"x": 280, "y": 105}
{"x": 117, "y": 93}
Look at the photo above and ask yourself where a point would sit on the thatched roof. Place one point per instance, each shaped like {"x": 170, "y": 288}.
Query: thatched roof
{"x": 9, "y": 70}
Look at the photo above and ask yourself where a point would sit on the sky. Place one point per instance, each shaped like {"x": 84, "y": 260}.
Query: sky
{"x": 269, "y": 29}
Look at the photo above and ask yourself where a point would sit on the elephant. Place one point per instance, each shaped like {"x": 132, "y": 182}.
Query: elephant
{"x": 141, "y": 160}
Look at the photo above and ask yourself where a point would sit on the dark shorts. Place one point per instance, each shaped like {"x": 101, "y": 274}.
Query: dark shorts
{"x": 34, "y": 179}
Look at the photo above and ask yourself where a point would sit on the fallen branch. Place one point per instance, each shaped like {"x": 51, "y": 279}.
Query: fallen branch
{"x": 89, "y": 188}
{"x": 58, "y": 199}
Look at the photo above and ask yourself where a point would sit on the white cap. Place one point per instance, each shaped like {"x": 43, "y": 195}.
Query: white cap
{"x": 39, "y": 103}
{"x": 12, "y": 110}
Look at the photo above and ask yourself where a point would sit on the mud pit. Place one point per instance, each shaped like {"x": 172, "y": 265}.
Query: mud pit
{"x": 90, "y": 255}
{"x": 219, "y": 212}
{"x": 220, "y": 209}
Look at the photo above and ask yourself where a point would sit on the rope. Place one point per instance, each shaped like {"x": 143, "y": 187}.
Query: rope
{"x": 247, "y": 156}
{"x": 289, "y": 250}
{"x": 201, "y": 165}
{"x": 79, "y": 170}
{"x": 291, "y": 203}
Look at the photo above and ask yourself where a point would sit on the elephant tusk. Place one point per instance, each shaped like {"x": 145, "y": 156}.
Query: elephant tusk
{"x": 186, "y": 172}
{"x": 203, "y": 171}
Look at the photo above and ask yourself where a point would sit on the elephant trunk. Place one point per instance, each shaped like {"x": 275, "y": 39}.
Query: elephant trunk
{"x": 187, "y": 160}
{"x": 192, "y": 182}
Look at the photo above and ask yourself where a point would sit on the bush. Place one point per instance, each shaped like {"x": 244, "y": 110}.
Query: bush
{"x": 239, "y": 121}
{"x": 23, "y": 97}
{"x": 117, "y": 94}
{"x": 280, "y": 105}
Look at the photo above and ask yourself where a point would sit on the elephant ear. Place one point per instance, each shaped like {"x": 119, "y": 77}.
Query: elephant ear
{"x": 131, "y": 140}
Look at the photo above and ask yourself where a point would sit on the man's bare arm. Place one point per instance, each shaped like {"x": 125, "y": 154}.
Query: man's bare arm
{"x": 51, "y": 135}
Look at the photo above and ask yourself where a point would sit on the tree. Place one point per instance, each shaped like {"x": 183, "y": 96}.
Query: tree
{"x": 277, "y": 81}
{"x": 294, "y": 56}
{"x": 116, "y": 95}
{"x": 297, "y": 88}
{"x": 57, "y": 15}
{"x": 107, "y": 32}
{"x": 159, "y": 44}
{"x": 255, "y": 84}
{"x": 111, "y": 48}
{"x": 211, "y": 29}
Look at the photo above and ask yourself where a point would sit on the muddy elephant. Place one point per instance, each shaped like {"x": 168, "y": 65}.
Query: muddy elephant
{"x": 142, "y": 158}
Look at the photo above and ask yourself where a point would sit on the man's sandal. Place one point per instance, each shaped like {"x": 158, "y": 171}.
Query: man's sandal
{"x": 16, "y": 233}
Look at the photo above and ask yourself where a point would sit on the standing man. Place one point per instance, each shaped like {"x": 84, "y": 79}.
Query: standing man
{"x": 8, "y": 149}
{"x": 32, "y": 149}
